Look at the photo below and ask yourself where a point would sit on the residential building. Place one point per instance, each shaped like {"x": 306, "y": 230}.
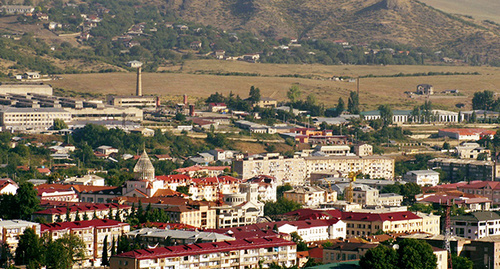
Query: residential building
{"x": 266, "y": 102}
{"x": 468, "y": 202}
{"x": 61, "y": 213}
{"x": 313, "y": 230}
{"x": 200, "y": 216}
{"x": 210, "y": 188}
{"x": 92, "y": 232}
{"x": 375, "y": 166}
{"x": 310, "y": 196}
{"x": 488, "y": 189}
{"x": 27, "y": 118}
{"x": 364, "y": 195}
{"x": 466, "y": 133}
{"x": 11, "y": 231}
{"x": 266, "y": 187}
{"x": 363, "y": 150}
{"x": 8, "y": 186}
{"x": 430, "y": 223}
{"x": 484, "y": 252}
{"x": 472, "y": 150}
{"x": 203, "y": 171}
{"x": 333, "y": 150}
{"x": 362, "y": 224}
{"x": 229, "y": 254}
{"x": 238, "y": 211}
{"x": 476, "y": 225}
{"x": 285, "y": 170}
{"x": 425, "y": 89}
{"x": 390, "y": 199}
{"x": 87, "y": 180}
{"x": 422, "y": 177}
{"x": 460, "y": 169}
{"x": 346, "y": 251}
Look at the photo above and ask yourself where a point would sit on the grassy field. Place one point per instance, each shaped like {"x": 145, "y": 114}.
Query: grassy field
{"x": 479, "y": 9}
{"x": 187, "y": 79}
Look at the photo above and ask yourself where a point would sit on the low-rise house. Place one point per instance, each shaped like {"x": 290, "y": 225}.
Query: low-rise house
{"x": 8, "y": 186}
{"x": 92, "y": 232}
{"x": 106, "y": 150}
{"x": 87, "y": 180}
{"x": 466, "y": 133}
{"x": 346, "y": 251}
{"x": 238, "y": 253}
{"x": 422, "y": 177}
{"x": 266, "y": 102}
{"x": 471, "y": 150}
{"x": 217, "y": 107}
{"x": 390, "y": 199}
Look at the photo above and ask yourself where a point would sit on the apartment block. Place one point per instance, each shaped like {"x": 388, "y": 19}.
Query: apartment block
{"x": 310, "y": 195}
{"x": 246, "y": 253}
{"x": 92, "y": 232}
{"x": 101, "y": 211}
{"x": 476, "y": 225}
{"x": 11, "y": 230}
{"x": 27, "y": 118}
{"x": 460, "y": 169}
{"x": 362, "y": 224}
{"x": 375, "y": 166}
{"x": 285, "y": 170}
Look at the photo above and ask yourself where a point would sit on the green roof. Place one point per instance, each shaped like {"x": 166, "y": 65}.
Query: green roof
{"x": 337, "y": 265}
{"x": 478, "y": 216}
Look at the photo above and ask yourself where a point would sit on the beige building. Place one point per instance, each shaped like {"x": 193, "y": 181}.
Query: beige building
{"x": 106, "y": 113}
{"x": 375, "y": 166}
{"x": 310, "y": 196}
{"x": 25, "y": 88}
{"x": 430, "y": 223}
{"x": 245, "y": 253}
{"x": 266, "y": 102}
{"x": 11, "y": 230}
{"x": 132, "y": 101}
{"x": 363, "y": 150}
{"x": 362, "y": 224}
{"x": 201, "y": 216}
{"x": 26, "y": 118}
{"x": 346, "y": 251}
{"x": 285, "y": 170}
{"x": 364, "y": 195}
{"x": 390, "y": 199}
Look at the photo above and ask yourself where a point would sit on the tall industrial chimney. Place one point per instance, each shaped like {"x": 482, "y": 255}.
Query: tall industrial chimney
{"x": 138, "y": 90}
{"x": 185, "y": 99}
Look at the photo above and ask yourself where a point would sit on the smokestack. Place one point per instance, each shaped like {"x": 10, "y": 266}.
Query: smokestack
{"x": 191, "y": 110}
{"x": 138, "y": 90}
{"x": 185, "y": 99}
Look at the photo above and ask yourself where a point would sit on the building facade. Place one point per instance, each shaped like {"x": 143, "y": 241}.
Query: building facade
{"x": 422, "y": 177}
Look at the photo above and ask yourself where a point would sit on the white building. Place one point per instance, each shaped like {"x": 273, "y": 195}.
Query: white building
{"x": 471, "y": 150}
{"x": 314, "y": 230}
{"x": 11, "y": 230}
{"x": 88, "y": 180}
{"x": 26, "y": 118}
{"x": 422, "y": 177}
{"x": 8, "y": 186}
{"x": 476, "y": 225}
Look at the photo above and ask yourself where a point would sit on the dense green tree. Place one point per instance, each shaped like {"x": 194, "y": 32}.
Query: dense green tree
{"x": 483, "y": 100}
{"x": 5, "y": 254}
{"x": 416, "y": 254}
{"x": 386, "y": 114}
{"x": 28, "y": 201}
{"x": 281, "y": 206}
{"x": 59, "y": 124}
{"x": 64, "y": 252}
{"x": 29, "y": 250}
{"x": 301, "y": 244}
{"x": 105, "y": 252}
{"x": 282, "y": 189}
{"x": 353, "y": 103}
{"x": 340, "y": 106}
{"x": 254, "y": 95}
{"x": 380, "y": 257}
{"x": 294, "y": 93}
{"x": 461, "y": 262}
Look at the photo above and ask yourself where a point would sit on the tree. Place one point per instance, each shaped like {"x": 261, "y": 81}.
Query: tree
{"x": 353, "y": 103}
{"x": 461, "y": 262}
{"x": 254, "y": 95}
{"x": 281, "y": 206}
{"x": 105, "y": 252}
{"x": 183, "y": 189}
{"x": 29, "y": 250}
{"x": 446, "y": 145}
{"x": 380, "y": 257}
{"x": 113, "y": 249}
{"x": 294, "y": 93}
{"x": 340, "y": 106}
{"x": 301, "y": 245}
{"x": 483, "y": 100}
{"x": 64, "y": 252}
{"x": 5, "y": 254}
{"x": 386, "y": 114}
{"x": 282, "y": 189}
{"x": 416, "y": 254}
{"x": 27, "y": 200}
{"x": 59, "y": 124}
{"x": 180, "y": 117}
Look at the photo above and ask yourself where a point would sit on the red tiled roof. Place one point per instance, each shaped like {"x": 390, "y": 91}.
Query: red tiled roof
{"x": 205, "y": 248}
{"x": 43, "y": 170}
{"x": 311, "y": 214}
{"x": 6, "y": 182}
{"x": 392, "y": 216}
{"x": 200, "y": 167}
{"x": 166, "y": 226}
{"x": 481, "y": 185}
{"x": 214, "y": 180}
{"x": 56, "y": 226}
{"x": 168, "y": 192}
{"x": 174, "y": 178}
{"x": 469, "y": 131}
{"x": 84, "y": 208}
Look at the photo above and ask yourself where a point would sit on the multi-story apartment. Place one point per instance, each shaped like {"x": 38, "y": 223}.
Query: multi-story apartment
{"x": 346, "y": 251}
{"x": 246, "y": 253}
{"x": 101, "y": 211}
{"x": 422, "y": 177}
{"x": 364, "y": 195}
{"x": 201, "y": 216}
{"x": 361, "y": 224}
{"x": 471, "y": 150}
{"x": 310, "y": 195}
{"x": 285, "y": 170}
{"x": 266, "y": 187}
{"x": 238, "y": 211}
{"x": 11, "y": 230}
{"x": 203, "y": 171}
{"x": 92, "y": 232}
{"x": 27, "y": 118}
{"x": 460, "y": 169}
{"x": 476, "y": 225}
{"x": 375, "y": 166}
{"x": 210, "y": 188}
{"x": 430, "y": 223}
{"x": 488, "y": 189}
{"x": 390, "y": 199}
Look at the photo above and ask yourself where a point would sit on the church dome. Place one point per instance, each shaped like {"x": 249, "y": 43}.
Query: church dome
{"x": 144, "y": 169}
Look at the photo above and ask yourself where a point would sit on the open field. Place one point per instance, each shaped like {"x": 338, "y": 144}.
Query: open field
{"x": 479, "y": 9}
{"x": 373, "y": 91}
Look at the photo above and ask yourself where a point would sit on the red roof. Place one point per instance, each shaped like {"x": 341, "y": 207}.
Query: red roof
{"x": 84, "y": 208}
{"x": 174, "y": 178}
{"x": 166, "y": 226}
{"x": 43, "y": 170}
{"x": 195, "y": 168}
{"x": 205, "y": 248}
{"x": 311, "y": 214}
{"x": 392, "y": 216}
{"x": 481, "y": 185}
{"x": 56, "y": 226}
{"x": 469, "y": 131}
{"x": 6, "y": 182}
{"x": 215, "y": 180}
